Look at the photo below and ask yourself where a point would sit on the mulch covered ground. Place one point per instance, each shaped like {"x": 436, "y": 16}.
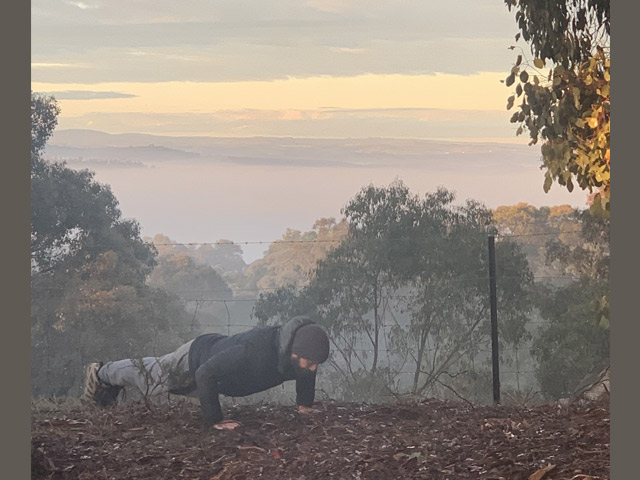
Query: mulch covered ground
{"x": 431, "y": 440}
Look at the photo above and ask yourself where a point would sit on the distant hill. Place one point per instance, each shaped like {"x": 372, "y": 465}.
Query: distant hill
{"x": 95, "y": 138}
{"x": 99, "y": 147}
{"x": 138, "y": 155}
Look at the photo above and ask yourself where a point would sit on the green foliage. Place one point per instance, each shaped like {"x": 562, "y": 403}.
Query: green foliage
{"x": 74, "y": 218}
{"x": 526, "y": 225}
{"x": 409, "y": 283}
{"x": 44, "y": 118}
{"x": 568, "y": 108}
{"x": 291, "y": 260}
{"x": 449, "y": 315}
{"x": 572, "y": 344}
{"x": 200, "y": 287}
{"x": 89, "y": 298}
{"x": 180, "y": 274}
{"x": 224, "y": 256}
{"x": 588, "y": 261}
{"x": 564, "y": 31}
{"x": 577, "y": 337}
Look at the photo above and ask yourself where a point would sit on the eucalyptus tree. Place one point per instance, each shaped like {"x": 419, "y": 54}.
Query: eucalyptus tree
{"x": 448, "y": 291}
{"x": 575, "y": 338}
{"x": 410, "y": 279}
{"x": 564, "y": 91}
{"x": 351, "y": 289}
{"x": 89, "y": 266}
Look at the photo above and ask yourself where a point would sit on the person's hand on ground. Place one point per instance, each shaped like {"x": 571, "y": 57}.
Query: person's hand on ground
{"x": 226, "y": 425}
{"x": 307, "y": 410}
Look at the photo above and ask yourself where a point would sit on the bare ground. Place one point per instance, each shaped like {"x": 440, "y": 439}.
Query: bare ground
{"x": 429, "y": 440}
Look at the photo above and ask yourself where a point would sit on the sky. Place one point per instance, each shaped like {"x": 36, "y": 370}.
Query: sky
{"x": 332, "y": 69}
{"x": 317, "y": 68}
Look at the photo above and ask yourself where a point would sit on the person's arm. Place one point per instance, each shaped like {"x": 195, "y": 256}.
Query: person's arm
{"x": 306, "y": 390}
{"x": 207, "y": 377}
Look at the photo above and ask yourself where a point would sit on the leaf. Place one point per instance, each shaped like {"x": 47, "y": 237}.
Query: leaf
{"x": 541, "y": 473}
{"x": 538, "y": 62}
{"x": 519, "y": 60}
{"x": 547, "y": 183}
{"x": 251, "y": 447}
{"x": 524, "y": 76}
{"x": 596, "y": 209}
{"x": 401, "y": 455}
{"x": 576, "y": 97}
{"x": 510, "y": 101}
{"x": 510, "y": 79}
{"x": 593, "y": 122}
{"x": 569, "y": 185}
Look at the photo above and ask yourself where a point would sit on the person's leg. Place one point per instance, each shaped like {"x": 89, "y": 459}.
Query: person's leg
{"x": 175, "y": 368}
{"x": 151, "y": 376}
{"x": 143, "y": 374}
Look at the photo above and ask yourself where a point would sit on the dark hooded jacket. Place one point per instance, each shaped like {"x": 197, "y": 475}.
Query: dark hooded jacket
{"x": 247, "y": 363}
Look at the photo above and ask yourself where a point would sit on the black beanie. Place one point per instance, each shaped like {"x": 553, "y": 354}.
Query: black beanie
{"x": 311, "y": 342}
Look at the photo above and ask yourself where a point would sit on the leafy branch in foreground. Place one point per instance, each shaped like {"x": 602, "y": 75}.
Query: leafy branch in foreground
{"x": 566, "y": 107}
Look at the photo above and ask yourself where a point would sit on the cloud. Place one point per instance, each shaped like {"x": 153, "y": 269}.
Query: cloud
{"x": 87, "y": 95}
{"x": 348, "y": 50}
{"x": 261, "y": 40}
{"x": 81, "y": 5}
{"x": 331, "y": 6}
{"x": 390, "y": 123}
{"x": 271, "y": 115}
{"x": 53, "y": 65}
{"x": 420, "y": 114}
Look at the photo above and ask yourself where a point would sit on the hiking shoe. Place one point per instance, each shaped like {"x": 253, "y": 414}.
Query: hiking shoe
{"x": 91, "y": 381}
{"x": 97, "y": 391}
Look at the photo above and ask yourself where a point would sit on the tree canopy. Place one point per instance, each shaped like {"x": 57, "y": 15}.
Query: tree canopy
{"x": 292, "y": 259}
{"x": 406, "y": 292}
{"x": 568, "y": 106}
{"x": 44, "y": 118}
{"x": 532, "y": 227}
{"x": 89, "y": 296}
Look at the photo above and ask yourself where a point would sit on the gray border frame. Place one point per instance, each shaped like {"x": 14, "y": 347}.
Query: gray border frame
{"x": 15, "y": 205}
{"x": 15, "y": 201}
{"x": 624, "y": 246}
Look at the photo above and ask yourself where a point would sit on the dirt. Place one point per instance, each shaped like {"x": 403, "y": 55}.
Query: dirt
{"x": 430, "y": 440}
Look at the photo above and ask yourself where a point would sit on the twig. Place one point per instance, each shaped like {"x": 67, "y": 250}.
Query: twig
{"x": 456, "y": 394}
